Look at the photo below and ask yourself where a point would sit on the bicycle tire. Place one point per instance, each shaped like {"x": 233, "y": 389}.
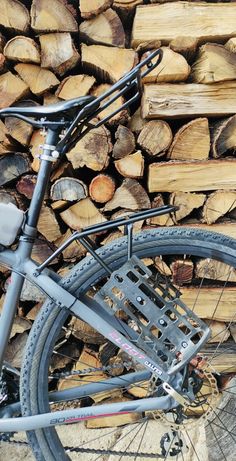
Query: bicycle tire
{"x": 45, "y": 443}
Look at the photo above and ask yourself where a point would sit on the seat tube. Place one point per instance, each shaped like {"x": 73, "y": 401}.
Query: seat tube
{"x": 42, "y": 178}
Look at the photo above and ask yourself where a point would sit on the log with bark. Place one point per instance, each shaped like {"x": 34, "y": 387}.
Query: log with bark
{"x": 104, "y": 29}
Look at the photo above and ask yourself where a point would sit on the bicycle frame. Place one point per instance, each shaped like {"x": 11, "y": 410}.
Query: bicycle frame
{"x": 22, "y": 266}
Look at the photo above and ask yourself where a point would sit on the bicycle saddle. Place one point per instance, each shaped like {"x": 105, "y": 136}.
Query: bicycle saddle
{"x": 51, "y": 110}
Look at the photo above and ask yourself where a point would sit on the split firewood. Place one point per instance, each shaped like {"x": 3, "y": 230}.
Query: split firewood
{"x": 174, "y": 101}
{"x": 93, "y": 7}
{"x": 203, "y": 21}
{"x": 124, "y": 213}
{"x": 64, "y": 169}
{"x": 50, "y": 98}
{"x": 126, "y": 9}
{"x": 82, "y": 214}
{"x": 214, "y": 64}
{"x": 108, "y": 63}
{"x": 192, "y": 176}
{"x": 191, "y": 142}
{"x": 85, "y": 332}
{"x": 12, "y": 88}
{"x": 140, "y": 390}
{"x": 26, "y": 185}
{"x": 59, "y": 205}
{"x": 148, "y": 46}
{"x": 218, "y": 204}
{"x": 131, "y": 166}
{"x": 7, "y": 144}
{"x": 105, "y": 29}
{"x": 15, "y": 350}
{"x": 186, "y": 46}
{"x": 125, "y": 142}
{"x": 111, "y": 237}
{"x": 219, "y": 331}
{"x": 232, "y": 329}
{"x": 230, "y": 45}
{"x": 92, "y": 150}
{"x": 172, "y": 68}
{"x": 39, "y": 80}
{"x": 18, "y": 129}
{"x": 48, "y": 225}
{"x": 220, "y": 303}
{"x": 155, "y": 137}
{"x": 70, "y": 189}
{"x": 186, "y": 203}
{"x": 42, "y": 251}
{"x": 224, "y": 360}
{"x": 137, "y": 122}
{"x": 106, "y": 352}
{"x": 215, "y": 270}
{"x": 38, "y": 138}
{"x": 162, "y": 267}
{"x": 130, "y": 193}
{"x": 75, "y": 86}
{"x": 58, "y": 52}
{"x": 182, "y": 271}
{"x": 102, "y": 188}
{"x": 14, "y": 16}
{"x": 3, "y": 66}
{"x": 122, "y": 116}
{"x": 23, "y": 49}
{"x": 113, "y": 421}
{"x": 223, "y": 136}
{"x": 30, "y": 292}
{"x": 9, "y": 196}
{"x": 64, "y": 356}
{"x": 162, "y": 220}
{"x": 19, "y": 326}
{"x": 74, "y": 251}
{"x": 12, "y": 166}
{"x": 2, "y": 43}
{"x": 53, "y": 16}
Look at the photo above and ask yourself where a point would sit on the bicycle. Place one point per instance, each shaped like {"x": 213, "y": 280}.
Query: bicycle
{"x": 129, "y": 292}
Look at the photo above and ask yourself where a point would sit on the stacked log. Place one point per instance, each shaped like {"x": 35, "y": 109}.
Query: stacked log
{"x": 176, "y": 147}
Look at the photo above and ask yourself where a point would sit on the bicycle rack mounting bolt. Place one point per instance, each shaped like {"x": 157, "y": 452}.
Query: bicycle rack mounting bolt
{"x": 184, "y": 344}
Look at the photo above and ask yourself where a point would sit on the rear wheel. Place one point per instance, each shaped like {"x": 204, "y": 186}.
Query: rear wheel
{"x": 202, "y": 266}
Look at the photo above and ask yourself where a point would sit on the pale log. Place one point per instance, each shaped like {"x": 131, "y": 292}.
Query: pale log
{"x": 108, "y": 63}
{"x": 169, "y": 100}
{"x": 50, "y": 98}
{"x": 52, "y": 16}
{"x": 85, "y": 332}
{"x": 137, "y": 122}
{"x": 83, "y": 214}
{"x": 130, "y": 193}
{"x": 125, "y": 213}
{"x": 162, "y": 220}
{"x": 2, "y": 42}
{"x": 48, "y": 225}
{"x": 14, "y": 16}
{"x": 218, "y": 204}
{"x": 126, "y": 9}
{"x": 92, "y": 150}
{"x": 223, "y": 361}
{"x": 215, "y": 270}
{"x": 75, "y": 86}
{"x": 115, "y": 420}
{"x": 105, "y": 29}
{"x": 147, "y": 46}
{"x": 63, "y": 169}
{"x": 3, "y": 66}
{"x": 8, "y": 196}
{"x": 70, "y": 189}
{"x": 186, "y": 46}
{"x": 214, "y": 64}
{"x": 121, "y": 117}
{"x": 39, "y": 80}
{"x": 26, "y": 185}
{"x": 42, "y": 251}
{"x": 191, "y": 142}
{"x": 58, "y": 52}
{"x": 231, "y": 44}
{"x": 131, "y": 166}
{"x": 211, "y": 302}
{"x": 93, "y": 7}
{"x": 23, "y": 49}
{"x": 125, "y": 142}
{"x": 172, "y": 68}
{"x": 155, "y": 137}
{"x": 204, "y": 21}
{"x": 12, "y": 88}
{"x": 186, "y": 203}
{"x": 223, "y": 136}
{"x": 182, "y": 271}
{"x": 7, "y": 144}
{"x": 74, "y": 251}
{"x": 219, "y": 331}
{"x": 18, "y": 129}
{"x": 12, "y": 166}
{"x": 192, "y": 176}
{"x": 162, "y": 267}
{"x": 38, "y": 138}
{"x": 102, "y": 188}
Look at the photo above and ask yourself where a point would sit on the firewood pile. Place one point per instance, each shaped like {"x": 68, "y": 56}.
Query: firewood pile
{"x": 176, "y": 147}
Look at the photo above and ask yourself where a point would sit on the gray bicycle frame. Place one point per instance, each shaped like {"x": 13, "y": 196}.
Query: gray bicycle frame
{"x": 22, "y": 266}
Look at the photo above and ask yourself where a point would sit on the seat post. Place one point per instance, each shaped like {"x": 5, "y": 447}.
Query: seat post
{"x": 43, "y": 177}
